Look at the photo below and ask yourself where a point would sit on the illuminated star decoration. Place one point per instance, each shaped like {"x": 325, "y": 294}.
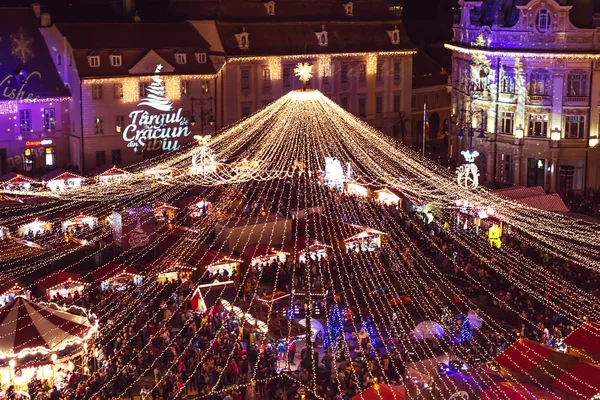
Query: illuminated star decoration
{"x": 304, "y": 72}
{"x": 21, "y": 46}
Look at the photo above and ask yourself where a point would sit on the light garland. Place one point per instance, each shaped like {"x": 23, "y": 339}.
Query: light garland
{"x": 399, "y": 53}
{"x": 556, "y": 54}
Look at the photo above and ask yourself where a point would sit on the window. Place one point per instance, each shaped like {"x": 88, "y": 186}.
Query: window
{"x": 116, "y": 157}
{"x": 508, "y": 82}
{"x": 185, "y": 88}
{"x": 344, "y": 102}
{"x": 205, "y": 86}
{"x": 577, "y": 84}
{"x": 201, "y": 58}
{"x": 362, "y": 73}
{"x": 425, "y": 99}
{"x": 506, "y": 169}
{"x": 100, "y": 158}
{"x": 413, "y": 102}
{"x": 507, "y": 119}
{"x": 119, "y": 123}
{"x": 246, "y": 109}
{"x": 143, "y": 86}
{"x": 286, "y": 77}
{"x": 115, "y": 60}
{"x": 349, "y": 7}
{"x": 344, "y": 73}
{"x": 538, "y": 125}
{"x": 58, "y": 59}
{"x": 28, "y": 160}
{"x": 507, "y": 122}
{"x": 379, "y": 104}
{"x": 396, "y": 72}
{"x": 245, "y": 79}
{"x": 539, "y": 83}
{"x": 118, "y": 90}
{"x": 266, "y": 78}
{"x": 362, "y": 107}
{"x": 94, "y": 61}
{"x": 574, "y": 126}
{"x": 50, "y": 156}
{"x": 436, "y": 98}
{"x": 325, "y": 80}
{"x": 98, "y": 125}
{"x": 70, "y": 60}
{"x": 180, "y": 58}
{"x": 379, "y": 74}
{"x": 25, "y": 117}
{"x": 396, "y": 130}
{"x": 396, "y": 103}
{"x": 543, "y": 20}
{"x": 96, "y": 92}
{"x": 49, "y": 120}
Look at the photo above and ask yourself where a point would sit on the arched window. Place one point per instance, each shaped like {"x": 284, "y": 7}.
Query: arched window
{"x": 543, "y": 20}
{"x": 539, "y": 83}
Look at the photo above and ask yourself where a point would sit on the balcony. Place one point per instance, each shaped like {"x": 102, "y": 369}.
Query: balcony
{"x": 575, "y": 100}
{"x": 539, "y": 99}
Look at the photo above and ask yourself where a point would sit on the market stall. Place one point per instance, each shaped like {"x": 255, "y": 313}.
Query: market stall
{"x": 165, "y": 269}
{"x": 117, "y": 276}
{"x": 165, "y": 213}
{"x": 195, "y": 206}
{"x": 61, "y": 285}
{"x": 61, "y": 179}
{"x": 112, "y": 175}
{"x": 301, "y": 248}
{"x": 260, "y": 254}
{"x": 39, "y": 226}
{"x": 215, "y": 262}
{"x": 11, "y": 288}
{"x": 78, "y": 223}
{"x": 38, "y": 339}
{"x": 389, "y": 196}
{"x": 367, "y": 239}
{"x": 581, "y": 381}
{"x": 15, "y": 181}
{"x": 584, "y": 341}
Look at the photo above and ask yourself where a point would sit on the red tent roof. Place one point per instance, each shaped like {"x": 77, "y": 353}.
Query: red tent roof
{"x": 112, "y": 271}
{"x": 15, "y": 179}
{"x": 586, "y": 338}
{"x": 259, "y": 250}
{"x": 164, "y": 265}
{"x": 583, "y": 380}
{"x": 114, "y": 171}
{"x": 534, "y": 197}
{"x": 381, "y": 392}
{"x": 523, "y": 355}
{"x": 58, "y": 278}
{"x": 27, "y": 327}
{"x": 515, "y": 391}
{"x": 209, "y": 257}
{"x": 60, "y": 174}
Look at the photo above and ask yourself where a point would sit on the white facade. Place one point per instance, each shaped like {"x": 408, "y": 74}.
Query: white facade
{"x": 532, "y": 85}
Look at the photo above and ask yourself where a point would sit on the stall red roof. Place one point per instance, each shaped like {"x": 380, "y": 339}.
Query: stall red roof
{"x": 586, "y": 338}
{"x": 523, "y": 355}
{"x": 187, "y": 201}
{"x": 383, "y": 391}
{"x": 534, "y": 197}
{"x": 515, "y": 391}
{"x": 583, "y": 380}
{"x": 164, "y": 265}
{"x": 15, "y": 179}
{"x": 57, "y": 278}
{"x": 259, "y": 250}
{"x": 114, "y": 171}
{"x": 209, "y": 257}
{"x": 112, "y": 271}
{"x": 60, "y": 174}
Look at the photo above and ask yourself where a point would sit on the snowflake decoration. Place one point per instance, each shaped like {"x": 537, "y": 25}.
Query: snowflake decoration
{"x": 21, "y": 46}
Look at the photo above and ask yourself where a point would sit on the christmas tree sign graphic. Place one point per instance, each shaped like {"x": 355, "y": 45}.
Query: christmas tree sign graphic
{"x": 156, "y": 93}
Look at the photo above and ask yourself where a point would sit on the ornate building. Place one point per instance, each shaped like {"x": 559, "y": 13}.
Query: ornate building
{"x": 526, "y": 85}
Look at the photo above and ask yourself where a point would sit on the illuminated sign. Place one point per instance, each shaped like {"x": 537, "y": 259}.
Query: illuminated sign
{"x": 36, "y": 143}
{"x": 161, "y": 127}
{"x": 468, "y": 174}
{"x": 20, "y": 93}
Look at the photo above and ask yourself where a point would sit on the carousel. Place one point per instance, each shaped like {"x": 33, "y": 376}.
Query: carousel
{"x": 61, "y": 285}
{"x": 42, "y": 341}
{"x": 165, "y": 269}
{"x": 10, "y": 288}
{"x": 61, "y": 179}
{"x": 117, "y": 276}
{"x": 215, "y": 262}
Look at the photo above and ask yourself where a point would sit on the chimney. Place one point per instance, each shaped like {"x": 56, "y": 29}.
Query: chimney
{"x": 46, "y": 20}
{"x": 37, "y": 9}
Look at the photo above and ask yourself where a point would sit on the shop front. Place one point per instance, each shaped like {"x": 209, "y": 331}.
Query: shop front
{"x": 60, "y": 179}
{"x": 40, "y": 226}
{"x": 10, "y": 289}
{"x": 215, "y": 262}
{"x": 166, "y": 269}
{"x": 117, "y": 276}
{"x": 61, "y": 285}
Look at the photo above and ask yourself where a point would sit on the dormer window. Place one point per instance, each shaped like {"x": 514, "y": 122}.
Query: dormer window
{"x": 201, "y": 58}
{"x": 543, "y": 20}
{"x": 270, "y": 6}
{"x": 116, "y": 60}
{"x": 394, "y": 35}
{"x": 322, "y": 37}
{"x": 242, "y": 39}
{"x": 349, "y": 7}
{"x": 180, "y": 58}
{"x": 94, "y": 60}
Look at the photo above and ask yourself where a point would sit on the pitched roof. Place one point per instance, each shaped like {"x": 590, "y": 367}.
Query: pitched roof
{"x": 534, "y": 197}
{"x": 112, "y": 271}
{"x": 427, "y": 71}
{"x": 285, "y": 10}
{"x": 60, "y": 174}
{"x": 296, "y": 38}
{"x": 515, "y": 391}
{"x": 586, "y": 338}
{"x": 165, "y": 265}
{"x": 523, "y": 355}
{"x": 583, "y": 380}
{"x": 22, "y": 46}
{"x": 57, "y": 278}
{"x": 133, "y": 41}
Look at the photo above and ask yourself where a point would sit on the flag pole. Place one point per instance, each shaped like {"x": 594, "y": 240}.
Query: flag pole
{"x": 424, "y": 125}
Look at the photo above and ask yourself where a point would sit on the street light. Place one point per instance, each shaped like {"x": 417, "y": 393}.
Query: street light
{"x": 519, "y": 132}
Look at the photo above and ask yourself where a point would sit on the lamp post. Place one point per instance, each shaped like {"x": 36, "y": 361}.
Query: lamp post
{"x": 555, "y": 137}
{"x": 519, "y": 132}
{"x": 202, "y": 115}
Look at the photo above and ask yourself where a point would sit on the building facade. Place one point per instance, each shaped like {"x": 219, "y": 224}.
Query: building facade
{"x": 34, "y": 112}
{"x": 359, "y": 51}
{"x": 526, "y": 86}
{"x": 138, "y": 89}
